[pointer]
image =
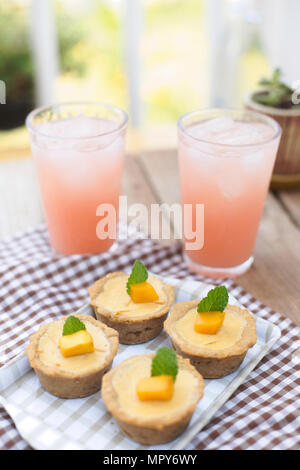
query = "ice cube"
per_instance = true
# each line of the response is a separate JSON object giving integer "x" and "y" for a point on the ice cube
{"x": 226, "y": 131}
{"x": 211, "y": 129}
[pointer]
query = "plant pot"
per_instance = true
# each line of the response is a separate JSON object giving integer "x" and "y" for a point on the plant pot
{"x": 286, "y": 173}
{"x": 13, "y": 114}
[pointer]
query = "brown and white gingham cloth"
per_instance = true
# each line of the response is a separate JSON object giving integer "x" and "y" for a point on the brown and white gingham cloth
{"x": 37, "y": 285}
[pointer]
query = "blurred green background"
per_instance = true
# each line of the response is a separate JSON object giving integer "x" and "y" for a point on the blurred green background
{"x": 174, "y": 51}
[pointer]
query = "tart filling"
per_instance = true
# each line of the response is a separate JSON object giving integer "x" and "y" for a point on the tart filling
{"x": 50, "y": 354}
{"x": 125, "y": 382}
{"x": 229, "y": 333}
{"x": 115, "y": 299}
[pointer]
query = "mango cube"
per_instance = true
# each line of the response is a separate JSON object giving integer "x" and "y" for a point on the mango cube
{"x": 143, "y": 292}
{"x": 80, "y": 342}
{"x": 160, "y": 387}
{"x": 209, "y": 323}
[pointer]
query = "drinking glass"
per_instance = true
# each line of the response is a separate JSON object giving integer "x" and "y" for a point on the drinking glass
{"x": 226, "y": 158}
{"x": 78, "y": 149}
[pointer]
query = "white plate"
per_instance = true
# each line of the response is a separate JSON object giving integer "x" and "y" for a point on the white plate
{"x": 47, "y": 422}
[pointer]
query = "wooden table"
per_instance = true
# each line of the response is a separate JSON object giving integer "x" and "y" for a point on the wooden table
{"x": 153, "y": 178}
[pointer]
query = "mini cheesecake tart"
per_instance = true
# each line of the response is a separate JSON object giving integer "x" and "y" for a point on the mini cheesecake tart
{"x": 78, "y": 375}
{"x": 156, "y": 421}
{"x": 135, "y": 322}
{"x": 213, "y": 355}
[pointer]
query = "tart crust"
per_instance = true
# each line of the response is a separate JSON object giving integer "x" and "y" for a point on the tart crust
{"x": 131, "y": 330}
{"x": 71, "y": 384}
{"x": 151, "y": 430}
{"x": 212, "y": 363}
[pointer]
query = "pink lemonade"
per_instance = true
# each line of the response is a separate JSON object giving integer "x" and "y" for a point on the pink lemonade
{"x": 226, "y": 165}
{"x": 79, "y": 163}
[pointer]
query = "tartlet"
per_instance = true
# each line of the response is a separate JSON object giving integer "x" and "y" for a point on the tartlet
{"x": 77, "y": 376}
{"x": 135, "y": 323}
{"x": 216, "y": 355}
{"x": 152, "y": 422}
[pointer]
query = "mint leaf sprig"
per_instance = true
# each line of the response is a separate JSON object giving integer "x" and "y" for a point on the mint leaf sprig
{"x": 165, "y": 362}
{"x": 216, "y": 300}
{"x": 138, "y": 274}
{"x": 72, "y": 325}
{"x": 275, "y": 92}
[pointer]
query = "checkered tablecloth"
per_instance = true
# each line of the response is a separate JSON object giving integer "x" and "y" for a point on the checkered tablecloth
{"x": 38, "y": 285}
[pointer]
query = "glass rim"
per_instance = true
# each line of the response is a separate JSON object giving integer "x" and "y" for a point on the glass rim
{"x": 272, "y": 122}
{"x": 40, "y": 109}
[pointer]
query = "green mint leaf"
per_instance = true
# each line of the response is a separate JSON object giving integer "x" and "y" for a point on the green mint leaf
{"x": 165, "y": 362}
{"x": 72, "y": 325}
{"x": 277, "y": 74}
{"x": 216, "y": 300}
{"x": 138, "y": 274}
{"x": 276, "y": 93}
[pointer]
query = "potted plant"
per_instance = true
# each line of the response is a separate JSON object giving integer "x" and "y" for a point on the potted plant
{"x": 276, "y": 99}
